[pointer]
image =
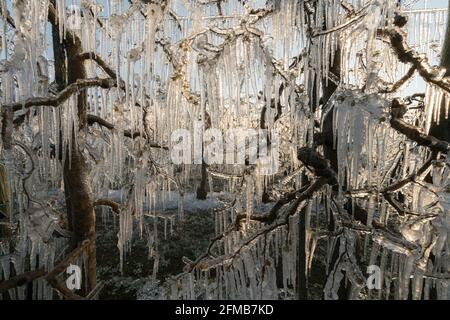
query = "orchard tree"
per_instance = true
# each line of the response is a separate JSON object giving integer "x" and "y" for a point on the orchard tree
{"x": 101, "y": 98}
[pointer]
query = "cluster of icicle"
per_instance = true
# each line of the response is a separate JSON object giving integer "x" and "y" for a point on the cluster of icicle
{"x": 177, "y": 72}
{"x": 246, "y": 264}
{"x": 32, "y": 179}
{"x": 360, "y": 136}
{"x": 370, "y": 157}
{"x": 35, "y": 179}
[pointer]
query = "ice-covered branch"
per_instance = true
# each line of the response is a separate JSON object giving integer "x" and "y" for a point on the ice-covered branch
{"x": 272, "y": 220}
{"x": 414, "y": 133}
{"x": 398, "y": 84}
{"x": 357, "y": 16}
{"x": 317, "y": 164}
{"x": 4, "y": 13}
{"x": 21, "y": 279}
{"x": 108, "y": 203}
{"x": 223, "y": 175}
{"x": 51, "y": 277}
{"x": 406, "y": 54}
{"x": 348, "y": 7}
{"x": 303, "y": 194}
{"x": 92, "y": 119}
{"x": 179, "y": 73}
{"x": 398, "y": 206}
{"x": 100, "y": 61}
{"x": 64, "y": 95}
{"x": 400, "y": 184}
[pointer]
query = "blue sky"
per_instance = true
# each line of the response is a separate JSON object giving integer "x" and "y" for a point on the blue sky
{"x": 434, "y": 3}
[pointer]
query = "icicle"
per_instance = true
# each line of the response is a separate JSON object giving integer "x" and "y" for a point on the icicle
{"x": 249, "y": 198}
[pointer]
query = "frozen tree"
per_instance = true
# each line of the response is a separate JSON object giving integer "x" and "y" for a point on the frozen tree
{"x": 358, "y": 151}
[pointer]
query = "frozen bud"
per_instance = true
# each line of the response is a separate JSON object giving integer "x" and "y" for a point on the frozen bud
{"x": 134, "y": 54}
{"x": 200, "y": 42}
{"x": 116, "y": 23}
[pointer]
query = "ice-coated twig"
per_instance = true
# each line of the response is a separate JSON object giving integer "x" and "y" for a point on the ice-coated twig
{"x": 357, "y": 16}
{"x": 399, "y": 83}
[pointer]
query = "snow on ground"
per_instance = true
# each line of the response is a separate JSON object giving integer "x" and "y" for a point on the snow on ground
{"x": 170, "y": 201}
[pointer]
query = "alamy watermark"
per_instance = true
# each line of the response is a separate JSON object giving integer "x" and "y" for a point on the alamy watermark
{"x": 73, "y": 282}
{"x": 374, "y": 279}
{"x": 239, "y": 146}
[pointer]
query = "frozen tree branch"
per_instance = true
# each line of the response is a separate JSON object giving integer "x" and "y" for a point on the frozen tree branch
{"x": 301, "y": 195}
{"x": 223, "y": 175}
{"x": 348, "y": 7}
{"x": 271, "y": 220}
{"x": 414, "y": 133}
{"x": 398, "y": 206}
{"x": 411, "y": 178}
{"x": 357, "y": 16}
{"x": 51, "y": 277}
{"x": 317, "y": 164}
{"x": 397, "y": 85}
{"x": 108, "y": 203}
{"x": 92, "y": 119}
{"x": 101, "y": 63}
{"x": 21, "y": 279}
{"x": 64, "y": 95}
{"x": 9, "y": 19}
{"x": 62, "y": 266}
{"x": 406, "y": 54}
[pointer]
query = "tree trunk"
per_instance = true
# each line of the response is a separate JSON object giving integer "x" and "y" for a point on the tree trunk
{"x": 77, "y": 177}
{"x": 78, "y": 193}
{"x": 202, "y": 192}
